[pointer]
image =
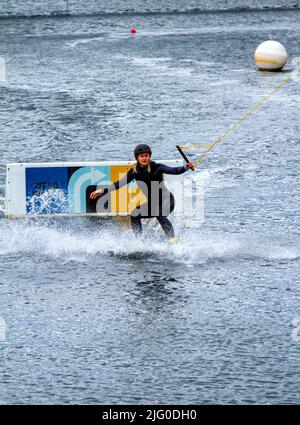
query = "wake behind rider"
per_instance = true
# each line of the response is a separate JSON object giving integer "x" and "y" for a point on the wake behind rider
{"x": 149, "y": 176}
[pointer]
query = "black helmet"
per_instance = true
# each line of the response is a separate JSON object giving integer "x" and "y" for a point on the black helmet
{"x": 142, "y": 149}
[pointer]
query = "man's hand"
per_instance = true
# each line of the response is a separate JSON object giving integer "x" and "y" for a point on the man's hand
{"x": 190, "y": 165}
{"x": 96, "y": 193}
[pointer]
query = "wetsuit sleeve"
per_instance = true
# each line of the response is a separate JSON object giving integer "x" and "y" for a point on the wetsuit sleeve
{"x": 120, "y": 183}
{"x": 171, "y": 170}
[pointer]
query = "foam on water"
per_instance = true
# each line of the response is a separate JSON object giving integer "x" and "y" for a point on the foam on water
{"x": 162, "y": 65}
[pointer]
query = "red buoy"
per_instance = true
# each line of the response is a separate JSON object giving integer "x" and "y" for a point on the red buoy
{"x": 133, "y": 30}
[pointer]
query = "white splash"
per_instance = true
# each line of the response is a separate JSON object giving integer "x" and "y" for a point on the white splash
{"x": 70, "y": 241}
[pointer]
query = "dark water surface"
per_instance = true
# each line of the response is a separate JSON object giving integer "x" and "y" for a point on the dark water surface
{"x": 95, "y": 316}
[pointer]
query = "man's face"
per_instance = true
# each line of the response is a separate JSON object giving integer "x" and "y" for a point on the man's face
{"x": 144, "y": 159}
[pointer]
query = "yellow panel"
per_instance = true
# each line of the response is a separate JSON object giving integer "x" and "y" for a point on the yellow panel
{"x": 124, "y": 199}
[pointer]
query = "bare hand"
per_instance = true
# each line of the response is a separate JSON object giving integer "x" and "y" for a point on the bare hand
{"x": 190, "y": 165}
{"x": 96, "y": 193}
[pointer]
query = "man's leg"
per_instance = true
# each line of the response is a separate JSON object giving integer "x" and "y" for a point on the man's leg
{"x": 136, "y": 218}
{"x": 136, "y": 225}
{"x": 166, "y": 226}
{"x": 166, "y": 207}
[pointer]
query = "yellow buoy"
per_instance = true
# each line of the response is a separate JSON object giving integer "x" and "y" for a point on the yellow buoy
{"x": 270, "y": 56}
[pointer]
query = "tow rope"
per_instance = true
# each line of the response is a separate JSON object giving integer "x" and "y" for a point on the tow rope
{"x": 232, "y": 128}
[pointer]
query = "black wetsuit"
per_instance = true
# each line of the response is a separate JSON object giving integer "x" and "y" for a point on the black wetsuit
{"x": 160, "y": 203}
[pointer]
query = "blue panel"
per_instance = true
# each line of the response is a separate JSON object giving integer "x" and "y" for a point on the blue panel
{"x": 47, "y": 190}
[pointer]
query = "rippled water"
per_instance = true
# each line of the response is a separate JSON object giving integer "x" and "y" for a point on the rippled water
{"x": 95, "y": 316}
{"x": 128, "y": 7}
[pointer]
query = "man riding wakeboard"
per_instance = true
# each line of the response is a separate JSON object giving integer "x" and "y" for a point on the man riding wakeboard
{"x": 149, "y": 176}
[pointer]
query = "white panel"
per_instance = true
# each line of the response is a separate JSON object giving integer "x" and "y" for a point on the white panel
{"x": 15, "y": 198}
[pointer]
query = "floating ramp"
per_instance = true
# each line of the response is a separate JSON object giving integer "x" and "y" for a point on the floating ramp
{"x": 62, "y": 189}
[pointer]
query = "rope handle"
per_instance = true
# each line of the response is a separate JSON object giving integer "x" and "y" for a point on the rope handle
{"x": 183, "y": 155}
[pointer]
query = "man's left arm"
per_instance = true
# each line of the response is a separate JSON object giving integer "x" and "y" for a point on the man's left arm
{"x": 165, "y": 169}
